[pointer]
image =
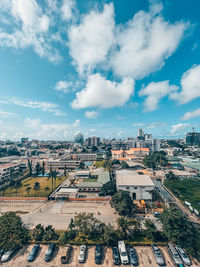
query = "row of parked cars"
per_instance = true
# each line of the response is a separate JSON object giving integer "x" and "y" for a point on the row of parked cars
{"x": 121, "y": 254}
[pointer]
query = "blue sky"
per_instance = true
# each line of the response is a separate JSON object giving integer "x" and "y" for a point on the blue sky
{"x": 104, "y": 68}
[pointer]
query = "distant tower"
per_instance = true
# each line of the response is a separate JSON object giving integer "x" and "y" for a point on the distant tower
{"x": 140, "y": 132}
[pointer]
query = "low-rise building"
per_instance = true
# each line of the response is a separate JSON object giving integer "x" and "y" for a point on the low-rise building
{"x": 139, "y": 186}
{"x": 130, "y": 154}
{"x": 61, "y": 164}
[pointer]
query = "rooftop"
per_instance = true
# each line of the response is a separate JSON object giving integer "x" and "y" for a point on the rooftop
{"x": 132, "y": 178}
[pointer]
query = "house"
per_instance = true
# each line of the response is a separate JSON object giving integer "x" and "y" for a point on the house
{"x": 139, "y": 186}
{"x": 130, "y": 154}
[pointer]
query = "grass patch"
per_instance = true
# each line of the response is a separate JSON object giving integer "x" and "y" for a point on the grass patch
{"x": 186, "y": 190}
{"x": 89, "y": 180}
{"x": 29, "y": 182}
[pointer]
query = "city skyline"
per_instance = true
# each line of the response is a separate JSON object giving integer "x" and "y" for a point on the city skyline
{"x": 103, "y": 68}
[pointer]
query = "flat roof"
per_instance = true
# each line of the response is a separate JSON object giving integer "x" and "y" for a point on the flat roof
{"x": 132, "y": 178}
{"x": 67, "y": 190}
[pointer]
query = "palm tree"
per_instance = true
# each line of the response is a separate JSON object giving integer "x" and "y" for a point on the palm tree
{"x": 126, "y": 225}
{"x": 49, "y": 233}
{"x": 28, "y": 189}
{"x": 36, "y": 186}
{"x": 38, "y": 232}
{"x": 43, "y": 168}
{"x": 47, "y": 189}
{"x": 18, "y": 185}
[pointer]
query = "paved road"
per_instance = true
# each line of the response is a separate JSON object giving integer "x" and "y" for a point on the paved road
{"x": 59, "y": 214}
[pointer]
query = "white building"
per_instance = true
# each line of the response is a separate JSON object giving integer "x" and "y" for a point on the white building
{"x": 139, "y": 186}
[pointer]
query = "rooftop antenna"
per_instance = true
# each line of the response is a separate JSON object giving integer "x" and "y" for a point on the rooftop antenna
{"x": 193, "y": 129}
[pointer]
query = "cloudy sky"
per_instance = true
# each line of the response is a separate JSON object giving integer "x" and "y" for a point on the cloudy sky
{"x": 101, "y": 67}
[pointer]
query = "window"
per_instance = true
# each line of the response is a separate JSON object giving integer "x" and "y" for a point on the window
{"x": 135, "y": 187}
{"x": 127, "y": 187}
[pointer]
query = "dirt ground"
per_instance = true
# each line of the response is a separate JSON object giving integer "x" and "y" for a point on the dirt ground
{"x": 146, "y": 258}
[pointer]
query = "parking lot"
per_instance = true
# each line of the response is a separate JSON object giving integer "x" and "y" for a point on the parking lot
{"x": 20, "y": 206}
{"x": 146, "y": 258}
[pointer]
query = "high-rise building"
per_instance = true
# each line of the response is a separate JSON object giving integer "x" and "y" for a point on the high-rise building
{"x": 140, "y": 132}
{"x": 193, "y": 138}
{"x": 94, "y": 141}
{"x": 79, "y": 139}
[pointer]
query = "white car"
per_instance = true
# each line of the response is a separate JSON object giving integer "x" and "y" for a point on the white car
{"x": 6, "y": 256}
{"x": 186, "y": 260}
{"x": 82, "y": 253}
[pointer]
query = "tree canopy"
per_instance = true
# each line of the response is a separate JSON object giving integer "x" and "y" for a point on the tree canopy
{"x": 123, "y": 203}
{"x": 108, "y": 189}
{"x": 13, "y": 234}
{"x": 155, "y": 159}
{"x": 180, "y": 230}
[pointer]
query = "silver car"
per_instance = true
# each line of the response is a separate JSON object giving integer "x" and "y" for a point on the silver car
{"x": 174, "y": 254}
{"x": 82, "y": 254}
{"x": 186, "y": 260}
{"x": 158, "y": 255}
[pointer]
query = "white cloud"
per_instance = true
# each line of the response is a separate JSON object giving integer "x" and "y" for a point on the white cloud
{"x": 5, "y": 114}
{"x": 63, "y": 86}
{"x": 139, "y": 124}
{"x": 190, "y": 86}
{"x": 67, "y": 9}
{"x": 191, "y": 114}
{"x": 44, "y": 106}
{"x": 32, "y": 123}
{"x": 91, "y": 114}
{"x": 90, "y": 41}
{"x": 179, "y": 127}
{"x": 103, "y": 93}
{"x": 155, "y": 91}
{"x": 76, "y": 124}
{"x": 29, "y": 28}
{"x": 150, "y": 125}
{"x": 144, "y": 43}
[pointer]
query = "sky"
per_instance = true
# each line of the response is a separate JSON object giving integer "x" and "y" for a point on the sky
{"x": 100, "y": 67}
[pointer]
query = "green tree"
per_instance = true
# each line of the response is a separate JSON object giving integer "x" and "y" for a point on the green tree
{"x": 49, "y": 233}
{"x": 155, "y": 160}
{"x": 127, "y": 226}
{"x": 30, "y": 168}
{"x": 123, "y": 203}
{"x": 65, "y": 171}
{"x": 88, "y": 225}
{"x": 17, "y": 185}
{"x": 36, "y": 187}
{"x": 170, "y": 176}
{"x": 12, "y": 232}
{"x": 180, "y": 230}
{"x": 124, "y": 165}
{"x": 38, "y": 232}
{"x": 28, "y": 189}
{"x": 150, "y": 230}
{"x": 108, "y": 189}
{"x": 43, "y": 168}
{"x": 47, "y": 189}
{"x": 38, "y": 169}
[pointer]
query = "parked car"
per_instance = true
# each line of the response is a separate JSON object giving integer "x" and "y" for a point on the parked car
{"x": 116, "y": 257}
{"x": 33, "y": 253}
{"x": 186, "y": 260}
{"x": 158, "y": 255}
{"x": 65, "y": 259}
{"x": 123, "y": 252}
{"x": 133, "y": 256}
{"x": 7, "y": 256}
{"x": 98, "y": 254}
{"x": 174, "y": 254}
{"x": 82, "y": 254}
{"x": 49, "y": 253}
{"x": 1, "y": 252}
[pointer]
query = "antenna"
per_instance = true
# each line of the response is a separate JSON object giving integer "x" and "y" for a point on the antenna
{"x": 193, "y": 129}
